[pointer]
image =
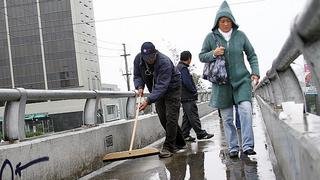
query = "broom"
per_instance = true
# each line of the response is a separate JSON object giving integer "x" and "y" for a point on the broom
{"x": 131, "y": 153}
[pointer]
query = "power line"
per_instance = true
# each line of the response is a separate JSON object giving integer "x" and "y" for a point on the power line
{"x": 72, "y": 31}
{"x": 35, "y": 15}
{"x": 112, "y": 19}
{"x": 99, "y": 47}
{"x": 172, "y": 12}
{"x": 139, "y": 16}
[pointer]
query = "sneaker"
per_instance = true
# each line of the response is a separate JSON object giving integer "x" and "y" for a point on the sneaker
{"x": 179, "y": 148}
{"x": 165, "y": 153}
{"x": 206, "y": 136}
{"x": 233, "y": 154}
{"x": 249, "y": 152}
{"x": 189, "y": 138}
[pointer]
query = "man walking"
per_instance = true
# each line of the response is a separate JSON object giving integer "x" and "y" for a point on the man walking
{"x": 189, "y": 97}
{"x": 157, "y": 72}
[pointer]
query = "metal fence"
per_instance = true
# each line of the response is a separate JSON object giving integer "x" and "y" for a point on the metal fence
{"x": 16, "y": 100}
{"x": 281, "y": 83}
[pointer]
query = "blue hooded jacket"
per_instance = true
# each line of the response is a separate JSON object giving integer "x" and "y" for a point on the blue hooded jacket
{"x": 165, "y": 76}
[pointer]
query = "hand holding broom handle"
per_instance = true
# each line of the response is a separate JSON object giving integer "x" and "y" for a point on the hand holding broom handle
{"x": 135, "y": 123}
{"x": 132, "y": 153}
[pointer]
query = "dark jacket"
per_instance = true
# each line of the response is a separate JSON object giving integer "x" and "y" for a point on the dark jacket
{"x": 239, "y": 87}
{"x": 165, "y": 76}
{"x": 188, "y": 90}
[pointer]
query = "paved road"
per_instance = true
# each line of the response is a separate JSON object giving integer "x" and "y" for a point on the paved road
{"x": 205, "y": 159}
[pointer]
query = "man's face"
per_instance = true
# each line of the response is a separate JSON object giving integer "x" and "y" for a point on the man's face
{"x": 188, "y": 61}
{"x": 150, "y": 59}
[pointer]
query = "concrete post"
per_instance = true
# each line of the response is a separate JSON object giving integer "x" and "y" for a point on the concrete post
{"x": 90, "y": 111}
{"x": 131, "y": 107}
{"x": 13, "y": 123}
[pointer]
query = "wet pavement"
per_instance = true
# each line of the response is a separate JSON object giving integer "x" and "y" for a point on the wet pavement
{"x": 203, "y": 159}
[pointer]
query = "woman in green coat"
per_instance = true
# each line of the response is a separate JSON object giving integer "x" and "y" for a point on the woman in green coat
{"x": 238, "y": 89}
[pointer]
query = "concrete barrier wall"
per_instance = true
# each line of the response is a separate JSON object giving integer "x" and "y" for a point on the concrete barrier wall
{"x": 70, "y": 155}
{"x": 296, "y": 144}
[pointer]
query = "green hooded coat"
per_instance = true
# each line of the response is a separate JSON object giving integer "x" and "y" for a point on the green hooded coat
{"x": 239, "y": 87}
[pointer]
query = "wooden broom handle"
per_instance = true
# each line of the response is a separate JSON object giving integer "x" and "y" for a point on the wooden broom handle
{"x": 135, "y": 124}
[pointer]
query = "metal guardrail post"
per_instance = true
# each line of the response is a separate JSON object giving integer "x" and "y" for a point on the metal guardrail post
{"x": 205, "y": 96}
{"x": 131, "y": 107}
{"x": 270, "y": 92}
{"x": 90, "y": 110}
{"x": 13, "y": 123}
{"x": 292, "y": 88}
{"x": 265, "y": 87}
{"x": 263, "y": 91}
{"x": 202, "y": 97}
{"x": 277, "y": 89}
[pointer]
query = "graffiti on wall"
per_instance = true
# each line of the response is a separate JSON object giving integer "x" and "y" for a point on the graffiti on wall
{"x": 19, "y": 167}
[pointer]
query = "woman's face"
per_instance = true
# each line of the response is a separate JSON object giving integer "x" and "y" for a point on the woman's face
{"x": 225, "y": 24}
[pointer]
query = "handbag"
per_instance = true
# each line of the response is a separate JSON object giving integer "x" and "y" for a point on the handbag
{"x": 216, "y": 72}
{"x": 207, "y": 70}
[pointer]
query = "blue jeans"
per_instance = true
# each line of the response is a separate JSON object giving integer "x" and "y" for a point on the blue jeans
{"x": 238, "y": 125}
{"x": 245, "y": 114}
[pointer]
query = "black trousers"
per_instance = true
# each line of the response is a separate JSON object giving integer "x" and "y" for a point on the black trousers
{"x": 168, "y": 108}
{"x": 191, "y": 119}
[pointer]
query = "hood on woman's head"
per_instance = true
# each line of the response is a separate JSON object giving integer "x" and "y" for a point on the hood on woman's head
{"x": 224, "y": 11}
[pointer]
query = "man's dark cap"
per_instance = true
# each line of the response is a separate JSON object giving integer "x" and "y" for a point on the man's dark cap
{"x": 148, "y": 50}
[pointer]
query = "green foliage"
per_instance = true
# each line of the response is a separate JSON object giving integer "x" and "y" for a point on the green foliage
{"x": 39, "y": 131}
{"x": 197, "y": 81}
{"x": 32, "y": 134}
{"x": 174, "y": 55}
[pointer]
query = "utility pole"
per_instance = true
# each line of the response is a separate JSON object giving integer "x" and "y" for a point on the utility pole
{"x": 126, "y": 63}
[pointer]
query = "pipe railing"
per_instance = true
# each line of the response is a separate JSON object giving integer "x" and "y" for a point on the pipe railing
{"x": 281, "y": 83}
{"x": 16, "y": 100}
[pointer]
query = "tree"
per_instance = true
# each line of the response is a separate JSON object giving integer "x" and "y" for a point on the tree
{"x": 174, "y": 55}
{"x": 198, "y": 81}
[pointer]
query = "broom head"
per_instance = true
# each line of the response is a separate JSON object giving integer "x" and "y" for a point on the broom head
{"x": 130, "y": 154}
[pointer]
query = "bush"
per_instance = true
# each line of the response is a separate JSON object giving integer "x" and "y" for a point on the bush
{"x": 32, "y": 134}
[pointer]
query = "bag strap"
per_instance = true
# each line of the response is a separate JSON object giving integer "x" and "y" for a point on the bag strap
{"x": 218, "y": 44}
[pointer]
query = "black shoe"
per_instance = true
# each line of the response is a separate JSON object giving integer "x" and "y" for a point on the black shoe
{"x": 179, "y": 148}
{"x": 249, "y": 152}
{"x": 233, "y": 154}
{"x": 189, "y": 138}
{"x": 165, "y": 153}
{"x": 206, "y": 136}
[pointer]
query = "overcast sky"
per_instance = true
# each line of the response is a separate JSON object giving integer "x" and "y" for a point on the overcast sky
{"x": 183, "y": 24}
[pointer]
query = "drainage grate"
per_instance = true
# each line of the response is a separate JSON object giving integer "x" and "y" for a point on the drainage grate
{"x": 109, "y": 141}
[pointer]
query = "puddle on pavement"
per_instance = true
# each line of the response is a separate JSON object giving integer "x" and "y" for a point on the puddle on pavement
{"x": 205, "y": 159}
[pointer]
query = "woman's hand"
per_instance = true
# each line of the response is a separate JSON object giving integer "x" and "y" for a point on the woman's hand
{"x": 219, "y": 51}
{"x": 255, "y": 79}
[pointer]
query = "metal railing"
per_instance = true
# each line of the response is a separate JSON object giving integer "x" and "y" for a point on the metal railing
{"x": 281, "y": 83}
{"x": 16, "y": 100}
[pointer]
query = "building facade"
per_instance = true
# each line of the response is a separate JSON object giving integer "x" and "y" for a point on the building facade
{"x": 48, "y": 44}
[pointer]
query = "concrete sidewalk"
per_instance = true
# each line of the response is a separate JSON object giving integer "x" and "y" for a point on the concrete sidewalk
{"x": 205, "y": 159}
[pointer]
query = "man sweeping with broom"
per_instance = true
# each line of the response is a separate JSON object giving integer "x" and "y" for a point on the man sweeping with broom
{"x": 156, "y": 71}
